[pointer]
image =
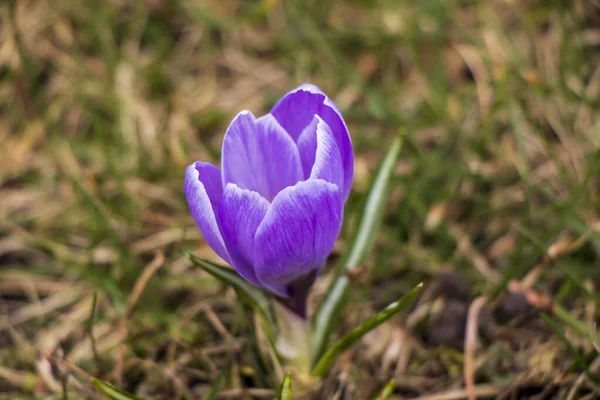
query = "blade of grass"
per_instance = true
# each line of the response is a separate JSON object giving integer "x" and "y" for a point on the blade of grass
{"x": 386, "y": 391}
{"x": 513, "y": 270}
{"x": 90, "y": 331}
{"x": 65, "y": 389}
{"x": 214, "y": 388}
{"x": 325, "y": 362}
{"x": 255, "y": 297}
{"x": 576, "y": 325}
{"x": 285, "y": 389}
{"x": 331, "y": 306}
{"x": 574, "y": 277}
{"x": 112, "y": 392}
{"x": 579, "y": 360}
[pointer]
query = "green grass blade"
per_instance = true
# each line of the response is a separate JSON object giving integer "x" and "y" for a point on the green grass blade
{"x": 255, "y": 297}
{"x": 580, "y": 362}
{"x": 576, "y": 279}
{"x": 330, "y": 308}
{"x": 90, "y": 330}
{"x": 576, "y": 325}
{"x": 355, "y": 334}
{"x": 386, "y": 391}
{"x": 285, "y": 389}
{"x": 214, "y": 388}
{"x": 374, "y": 207}
{"x": 112, "y": 392}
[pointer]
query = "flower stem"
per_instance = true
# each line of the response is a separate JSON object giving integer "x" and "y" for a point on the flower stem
{"x": 293, "y": 341}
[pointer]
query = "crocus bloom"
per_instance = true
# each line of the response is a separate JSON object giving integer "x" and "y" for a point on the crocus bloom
{"x": 275, "y": 208}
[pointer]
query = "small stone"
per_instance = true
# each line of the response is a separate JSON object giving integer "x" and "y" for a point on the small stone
{"x": 449, "y": 328}
{"x": 454, "y": 286}
{"x": 487, "y": 323}
{"x": 512, "y": 305}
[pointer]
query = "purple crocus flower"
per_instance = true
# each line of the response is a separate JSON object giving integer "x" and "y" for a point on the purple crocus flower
{"x": 275, "y": 208}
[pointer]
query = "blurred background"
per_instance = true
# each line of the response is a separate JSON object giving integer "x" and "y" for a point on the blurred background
{"x": 494, "y": 202}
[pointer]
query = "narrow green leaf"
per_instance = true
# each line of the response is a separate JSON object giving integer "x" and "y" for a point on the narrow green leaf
{"x": 576, "y": 325}
{"x": 214, "y": 388}
{"x": 255, "y": 297}
{"x": 65, "y": 389}
{"x": 576, "y": 279}
{"x": 112, "y": 392}
{"x": 285, "y": 389}
{"x": 355, "y": 334}
{"x": 580, "y": 362}
{"x": 90, "y": 330}
{"x": 374, "y": 207}
{"x": 327, "y": 316}
{"x": 512, "y": 271}
{"x": 386, "y": 391}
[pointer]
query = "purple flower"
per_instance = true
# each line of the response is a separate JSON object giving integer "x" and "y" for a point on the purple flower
{"x": 275, "y": 208}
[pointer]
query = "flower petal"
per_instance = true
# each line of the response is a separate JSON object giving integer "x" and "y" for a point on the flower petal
{"x": 203, "y": 190}
{"x": 320, "y": 154}
{"x": 295, "y": 112}
{"x": 297, "y": 234}
{"x": 240, "y": 213}
{"x": 307, "y": 146}
{"x": 258, "y": 155}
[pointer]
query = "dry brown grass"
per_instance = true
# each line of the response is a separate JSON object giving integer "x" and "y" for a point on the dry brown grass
{"x": 104, "y": 103}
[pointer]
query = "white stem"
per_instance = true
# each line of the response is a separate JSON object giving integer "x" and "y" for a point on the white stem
{"x": 293, "y": 341}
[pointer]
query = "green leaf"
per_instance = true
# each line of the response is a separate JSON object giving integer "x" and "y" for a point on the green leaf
{"x": 112, "y": 392}
{"x": 90, "y": 330}
{"x": 576, "y": 325}
{"x": 355, "y": 334}
{"x": 285, "y": 389}
{"x": 331, "y": 307}
{"x": 255, "y": 297}
{"x": 576, "y": 279}
{"x": 214, "y": 388}
{"x": 386, "y": 391}
{"x": 580, "y": 362}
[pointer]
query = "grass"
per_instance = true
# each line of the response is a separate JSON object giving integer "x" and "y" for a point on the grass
{"x": 494, "y": 202}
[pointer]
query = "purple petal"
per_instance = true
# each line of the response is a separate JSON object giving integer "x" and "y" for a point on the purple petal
{"x": 240, "y": 214}
{"x": 203, "y": 190}
{"x": 297, "y": 234}
{"x": 307, "y": 146}
{"x": 258, "y": 155}
{"x": 320, "y": 154}
{"x": 295, "y": 112}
